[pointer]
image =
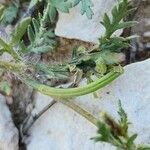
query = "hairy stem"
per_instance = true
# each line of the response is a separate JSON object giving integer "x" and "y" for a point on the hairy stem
{"x": 10, "y": 50}
{"x": 63, "y": 94}
{"x": 73, "y": 92}
{"x": 12, "y": 67}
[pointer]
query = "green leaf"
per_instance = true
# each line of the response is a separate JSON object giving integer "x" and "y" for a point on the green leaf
{"x": 123, "y": 119}
{"x": 118, "y": 13}
{"x": 5, "y": 87}
{"x": 104, "y": 133}
{"x": 130, "y": 142}
{"x": 109, "y": 58}
{"x": 33, "y": 3}
{"x": 52, "y": 14}
{"x": 10, "y": 13}
{"x": 1, "y": 10}
{"x": 86, "y": 7}
{"x": 1, "y": 51}
{"x": 61, "y": 5}
{"x": 108, "y": 132}
{"x": 36, "y": 25}
{"x": 4, "y": 45}
{"x": 126, "y": 24}
{"x": 106, "y": 21}
{"x": 31, "y": 34}
{"x": 8, "y": 48}
{"x": 65, "y": 5}
{"x": 41, "y": 49}
{"x": 41, "y": 39}
{"x": 53, "y": 71}
{"x": 20, "y": 30}
{"x": 23, "y": 48}
{"x": 109, "y": 42}
{"x": 115, "y": 44}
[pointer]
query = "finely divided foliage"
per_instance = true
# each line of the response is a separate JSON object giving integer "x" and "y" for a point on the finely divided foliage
{"x": 116, "y": 133}
{"x": 10, "y": 13}
{"x": 84, "y": 63}
{"x": 109, "y": 41}
{"x": 65, "y": 6}
{"x": 41, "y": 40}
{"x": 86, "y": 7}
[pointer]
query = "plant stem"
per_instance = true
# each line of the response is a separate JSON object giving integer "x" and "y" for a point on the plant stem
{"x": 84, "y": 113}
{"x": 10, "y": 50}
{"x": 30, "y": 120}
{"x": 59, "y": 93}
{"x": 73, "y": 92}
{"x": 13, "y": 67}
{"x": 27, "y": 124}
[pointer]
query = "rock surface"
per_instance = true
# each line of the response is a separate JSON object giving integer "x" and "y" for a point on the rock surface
{"x": 76, "y": 26}
{"x": 60, "y": 128}
{"x": 8, "y": 132}
{"x": 140, "y": 46}
{"x": 2, "y": 1}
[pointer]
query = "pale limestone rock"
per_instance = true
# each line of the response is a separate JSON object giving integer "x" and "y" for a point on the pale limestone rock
{"x": 147, "y": 34}
{"x": 8, "y": 132}
{"x": 41, "y": 101}
{"x": 76, "y": 26}
{"x": 2, "y": 1}
{"x": 60, "y": 128}
{"x": 132, "y": 88}
{"x": 6, "y": 57}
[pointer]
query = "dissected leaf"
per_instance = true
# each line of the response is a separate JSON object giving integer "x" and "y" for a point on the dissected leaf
{"x": 61, "y": 5}
{"x": 123, "y": 120}
{"x": 31, "y": 34}
{"x": 107, "y": 132}
{"x": 4, "y": 45}
{"x": 52, "y": 71}
{"x": 33, "y": 3}
{"x": 115, "y": 44}
{"x": 85, "y": 7}
{"x": 128, "y": 24}
{"x": 52, "y": 14}
{"x": 10, "y": 13}
{"x": 65, "y": 5}
{"x": 20, "y": 30}
{"x": 104, "y": 132}
{"x": 108, "y": 41}
{"x": 41, "y": 40}
{"x": 130, "y": 142}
